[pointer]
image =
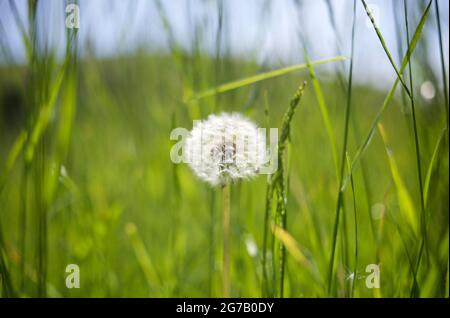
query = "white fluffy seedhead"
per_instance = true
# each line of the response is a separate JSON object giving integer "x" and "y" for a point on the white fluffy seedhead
{"x": 224, "y": 148}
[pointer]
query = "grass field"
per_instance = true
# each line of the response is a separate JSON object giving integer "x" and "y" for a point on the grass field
{"x": 86, "y": 176}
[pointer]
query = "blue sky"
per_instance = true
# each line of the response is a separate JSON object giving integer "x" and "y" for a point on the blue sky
{"x": 270, "y": 36}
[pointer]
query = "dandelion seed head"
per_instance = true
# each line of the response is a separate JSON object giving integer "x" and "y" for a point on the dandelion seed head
{"x": 224, "y": 148}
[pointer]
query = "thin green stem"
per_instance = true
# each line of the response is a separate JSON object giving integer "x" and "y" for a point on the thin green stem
{"x": 226, "y": 240}
{"x": 269, "y": 193}
{"x": 354, "y": 122}
{"x": 268, "y": 208}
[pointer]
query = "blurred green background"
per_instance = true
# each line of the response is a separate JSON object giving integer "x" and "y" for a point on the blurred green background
{"x": 86, "y": 176}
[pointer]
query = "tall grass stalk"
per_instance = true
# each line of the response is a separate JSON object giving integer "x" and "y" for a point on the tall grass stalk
{"x": 226, "y": 241}
{"x": 5, "y": 278}
{"x": 324, "y": 112}
{"x": 431, "y": 165}
{"x": 344, "y": 151}
{"x": 144, "y": 260}
{"x": 268, "y": 209}
{"x": 279, "y": 181}
{"x": 354, "y": 121}
{"x": 217, "y": 60}
{"x": 417, "y": 149}
{"x": 368, "y": 139}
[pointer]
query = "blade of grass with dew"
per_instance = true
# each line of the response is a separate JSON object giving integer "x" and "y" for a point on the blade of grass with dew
{"x": 325, "y": 115}
{"x": 344, "y": 151}
{"x": 367, "y": 140}
{"x": 260, "y": 77}
{"x": 278, "y": 181}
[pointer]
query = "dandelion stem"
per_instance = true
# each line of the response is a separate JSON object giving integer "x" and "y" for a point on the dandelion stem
{"x": 226, "y": 240}
{"x": 268, "y": 208}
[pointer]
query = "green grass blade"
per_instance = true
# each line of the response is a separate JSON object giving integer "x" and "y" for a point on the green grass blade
{"x": 268, "y": 209}
{"x": 43, "y": 118}
{"x": 417, "y": 147}
{"x": 385, "y": 48}
{"x": 260, "y": 77}
{"x": 339, "y": 202}
{"x": 12, "y": 157}
{"x": 143, "y": 258}
{"x": 431, "y": 164}
{"x": 442, "y": 56}
{"x": 296, "y": 251}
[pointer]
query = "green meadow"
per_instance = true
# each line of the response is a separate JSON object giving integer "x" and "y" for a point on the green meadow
{"x": 86, "y": 176}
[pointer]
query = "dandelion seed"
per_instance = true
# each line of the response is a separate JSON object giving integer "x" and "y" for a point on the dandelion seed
{"x": 252, "y": 249}
{"x": 224, "y": 148}
{"x": 377, "y": 211}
